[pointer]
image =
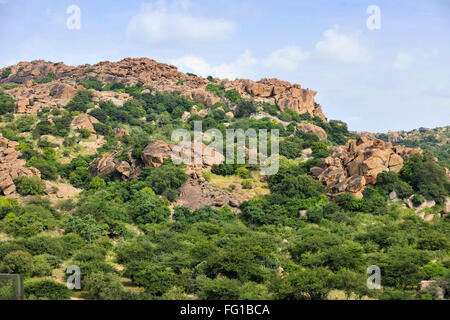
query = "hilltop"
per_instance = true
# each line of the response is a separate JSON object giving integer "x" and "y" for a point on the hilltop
{"x": 41, "y": 78}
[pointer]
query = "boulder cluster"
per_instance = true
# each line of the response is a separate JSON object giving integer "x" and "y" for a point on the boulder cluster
{"x": 154, "y": 155}
{"x": 351, "y": 167}
{"x": 112, "y": 163}
{"x": 282, "y": 93}
{"x": 32, "y": 95}
{"x": 11, "y": 167}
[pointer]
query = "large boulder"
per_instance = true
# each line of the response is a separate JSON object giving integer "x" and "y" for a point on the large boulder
{"x": 84, "y": 121}
{"x": 311, "y": 128}
{"x": 110, "y": 163}
{"x": 155, "y": 153}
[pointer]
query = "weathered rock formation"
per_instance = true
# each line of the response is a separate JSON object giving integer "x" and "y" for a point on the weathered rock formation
{"x": 349, "y": 168}
{"x": 198, "y": 155}
{"x": 151, "y": 73}
{"x": 311, "y": 128}
{"x": 155, "y": 153}
{"x": 84, "y": 121}
{"x": 11, "y": 167}
{"x": 197, "y": 193}
{"x": 110, "y": 163}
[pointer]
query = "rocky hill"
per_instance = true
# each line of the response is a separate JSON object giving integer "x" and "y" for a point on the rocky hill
{"x": 48, "y": 84}
{"x": 87, "y": 178}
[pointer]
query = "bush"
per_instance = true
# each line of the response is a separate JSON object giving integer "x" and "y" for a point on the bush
{"x": 46, "y": 289}
{"x": 301, "y": 186}
{"x": 242, "y": 172}
{"x": 29, "y": 185}
{"x": 92, "y": 83}
{"x": 155, "y": 278}
{"x": 233, "y": 95}
{"x": 417, "y": 200}
{"x": 426, "y": 177}
{"x": 5, "y": 73}
{"x": 85, "y": 133}
{"x": 7, "y": 103}
{"x": 86, "y": 227}
{"x": 320, "y": 150}
{"x": 245, "y": 108}
{"x": 247, "y": 184}
{"x": 18, "y": 262}
{"x": 220, "y": 289}
{"x": 80, "y": 101}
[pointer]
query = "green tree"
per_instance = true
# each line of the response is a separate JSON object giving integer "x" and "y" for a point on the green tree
{"x": 29, "y": 185}
{"x": 20, "y": 262}
{"x": 310, "y": 284}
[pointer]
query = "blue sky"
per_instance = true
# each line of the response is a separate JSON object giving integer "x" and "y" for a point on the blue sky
{"x": 396, "y": 77}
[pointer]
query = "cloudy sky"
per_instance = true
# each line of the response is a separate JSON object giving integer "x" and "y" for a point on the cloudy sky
{"x": 393, "y": 77}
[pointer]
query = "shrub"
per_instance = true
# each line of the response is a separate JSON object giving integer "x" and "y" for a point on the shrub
{"x": 29, "y": 185}
{"x": 86, "y": 227}
{"x": 417, "y": 200}
{"x": 5, "y": 73}
{"x": 220, "y": 289}
{"x": 85, "y": 133}
{"x": 426, "y": 177}
{"x": 155, "y": 278}
{"x": 48, "y": 78}
{"x": 18, "y": 262}
{"x": 80, "y": 101}
{"x": 242, "y": 172}
{"x": 245, "y": 108}
{"x": 320, "y": 150}
{"x": 207, "y": 175}
{"x": 233, "y": 95}
{"x": 46, "y": 289}
{"x": 7, "y": 103}
{"x": 247, "y": 184}
{"x": 92, "y": 83}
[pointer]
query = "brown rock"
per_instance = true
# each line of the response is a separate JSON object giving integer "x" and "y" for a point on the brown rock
{"x": 311, "y": 128}
{"x": 120, "y": 132}
{"x": 11, "y": 167}
{"x": 84, "y": 121}
{"x": 349, "y": 168}
{"x": 155, "y": 153}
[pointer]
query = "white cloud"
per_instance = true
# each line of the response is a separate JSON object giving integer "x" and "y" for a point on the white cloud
{"x": 240, "y": 67}
{"x": 287, "y": 58}
{"x": 342, "y": 48}
{"x": 158, "y": 22}
{"x": 403, "y": 61}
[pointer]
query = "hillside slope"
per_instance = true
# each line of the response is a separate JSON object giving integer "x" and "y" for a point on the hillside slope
{"x": 87, "y": 179}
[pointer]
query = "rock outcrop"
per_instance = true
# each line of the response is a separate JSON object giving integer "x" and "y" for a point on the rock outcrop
{"x": 163, "y": 77}
{"x": 155, "y": 153}
{"x": 11, "y": 167}
{"x": 311, "y": 128}
{"x": 198, "y": 156}
{"x": 111, "y": 163}
{"x": 84, "y": 121}
{"x": 197, "y": 193}
{"x": 349, "y": 168}
{"x": 282, "y": 93}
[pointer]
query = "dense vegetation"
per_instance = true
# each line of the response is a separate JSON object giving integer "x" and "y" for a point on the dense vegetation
{"x": 132, "y": 242}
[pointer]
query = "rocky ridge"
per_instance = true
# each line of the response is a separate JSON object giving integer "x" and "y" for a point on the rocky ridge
{"x": 32, "y": 95}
